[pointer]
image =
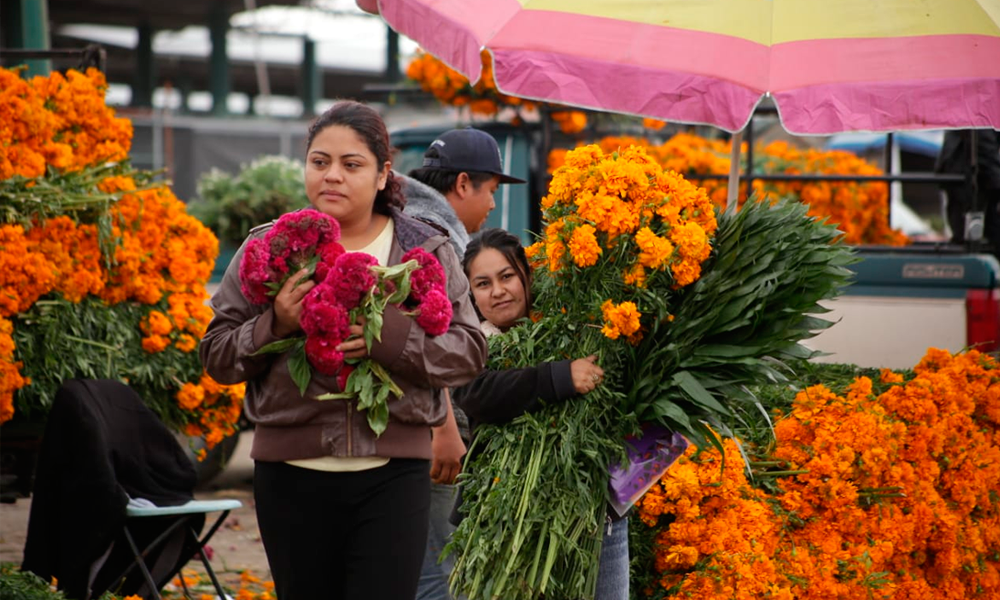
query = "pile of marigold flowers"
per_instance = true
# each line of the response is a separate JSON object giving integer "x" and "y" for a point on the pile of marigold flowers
{"x": 864, "y": 495}
{"x": 859, "y": 209}
{"x": 251, "y": 586}
{"x": 484, "y": 99}
{"x": 97, "y": 261}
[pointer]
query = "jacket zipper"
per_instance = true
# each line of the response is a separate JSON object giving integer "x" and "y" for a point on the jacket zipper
{"x": 347, "y": 406}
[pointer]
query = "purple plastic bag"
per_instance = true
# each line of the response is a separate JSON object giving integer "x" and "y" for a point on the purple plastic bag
{"x": 649, "y": 457}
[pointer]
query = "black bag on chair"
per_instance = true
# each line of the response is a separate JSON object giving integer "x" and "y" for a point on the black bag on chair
{"x": 102, "y": 446}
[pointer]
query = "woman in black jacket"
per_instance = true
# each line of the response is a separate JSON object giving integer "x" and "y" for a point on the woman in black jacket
{"x": 500, "y": 279}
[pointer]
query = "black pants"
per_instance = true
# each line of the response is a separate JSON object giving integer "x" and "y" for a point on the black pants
{"x": 352, "y": 536}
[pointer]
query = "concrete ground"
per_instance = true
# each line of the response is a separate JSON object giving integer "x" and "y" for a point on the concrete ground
{"x": 236, "y": 545}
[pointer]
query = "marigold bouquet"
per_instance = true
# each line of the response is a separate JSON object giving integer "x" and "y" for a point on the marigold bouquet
{"x": 102, "y": 271}
{"x": 683, "y": 305}
{"x": 351, "y": 288}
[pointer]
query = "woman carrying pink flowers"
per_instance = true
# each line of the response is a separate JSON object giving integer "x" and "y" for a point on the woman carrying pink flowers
{"x": 344, "y": 321}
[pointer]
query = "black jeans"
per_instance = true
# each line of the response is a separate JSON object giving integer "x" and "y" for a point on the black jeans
{"x": 354, "y": 535}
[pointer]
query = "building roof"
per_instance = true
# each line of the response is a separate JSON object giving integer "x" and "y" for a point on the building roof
{"x": 173, "y": 14}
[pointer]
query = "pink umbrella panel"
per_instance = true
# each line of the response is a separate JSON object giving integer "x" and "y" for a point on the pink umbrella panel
{"x": 849, "y": 65}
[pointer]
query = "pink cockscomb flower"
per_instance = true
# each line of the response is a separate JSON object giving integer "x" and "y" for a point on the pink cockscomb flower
{"x": 429, "y": 276}
{"x": 323, "y": 355}
{"x": 435, "y": 312}
{"x": 254, "y": 273}
{"x": 327, "y": 254}
{"x": 322, "y": 317}
{"x": 351, "y": 277}
{"x": 297, "y": 237}
{"x": 304, "y": 230}
{"x": 302, "y": 239}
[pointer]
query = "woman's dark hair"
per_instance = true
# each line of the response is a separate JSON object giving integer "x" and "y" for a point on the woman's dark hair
{"x": 368, "y": 124}
{"x": 443, "y": 180}
{"x": 509, "y": 245}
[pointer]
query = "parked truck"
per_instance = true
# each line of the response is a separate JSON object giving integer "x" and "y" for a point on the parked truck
{"x": 905, "y": 300}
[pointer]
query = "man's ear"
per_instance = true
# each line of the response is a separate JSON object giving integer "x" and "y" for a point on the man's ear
{"x": 463, "y": 185}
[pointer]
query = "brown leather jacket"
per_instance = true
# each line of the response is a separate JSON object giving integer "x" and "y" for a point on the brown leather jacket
{"x": 290, "y": 426}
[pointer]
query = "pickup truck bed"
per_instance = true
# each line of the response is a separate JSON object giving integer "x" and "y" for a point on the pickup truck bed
{"x": 903, "y": 301}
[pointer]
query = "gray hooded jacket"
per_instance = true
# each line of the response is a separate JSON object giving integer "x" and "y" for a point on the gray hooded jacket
{"x": 427, "y": 204}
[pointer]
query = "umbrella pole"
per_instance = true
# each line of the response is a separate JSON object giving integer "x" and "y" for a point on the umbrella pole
{"x": 733, "y": 195}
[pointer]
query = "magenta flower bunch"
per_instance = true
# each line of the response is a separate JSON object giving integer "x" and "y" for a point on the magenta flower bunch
{"x": 301, "y": 239}
{"x": 428, "y": 294}
{"x": 416, "y": 286}
{"x": 351, "y": 288}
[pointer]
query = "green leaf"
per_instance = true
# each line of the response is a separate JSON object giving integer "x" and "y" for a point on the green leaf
{"x": 378, "y": 418}
{"x": 398, "y": 270}
{"x": 698, "y": 393}
{"x": 663, "y": 408}
{"x": 279, "y": 346}
{"x": 724, "y": 351}
{"x": 299, "y": 369}
{"x": 373, "y": 329}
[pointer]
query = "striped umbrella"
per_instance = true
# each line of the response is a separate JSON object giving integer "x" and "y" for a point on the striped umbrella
{"x": 829, "y": 65}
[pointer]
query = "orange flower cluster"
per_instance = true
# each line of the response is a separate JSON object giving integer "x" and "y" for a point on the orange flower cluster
{"x": 621, "y": 211}
{"x": 621, "y": 320}
{"x": 60, "y": 121}
{"x": 161, "y": 250}
{"x": 183, "y": 324}
{"x": 452, "y": 88}
{"x": 570, "y": 121}
{"x": 10, "y": 371}
{"x": 161, "y": 255}
{"x": 890, "y": 497}
{"x": 860, "y": 210}
{"x": 251, "y": 586}
{"x": 216, "y": 409}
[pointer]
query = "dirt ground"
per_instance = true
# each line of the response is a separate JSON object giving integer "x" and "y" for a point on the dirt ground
{"x": 236, "y": 546}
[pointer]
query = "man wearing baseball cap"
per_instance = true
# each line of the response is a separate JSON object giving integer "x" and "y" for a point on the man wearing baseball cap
{"x": 454, "y": 191}
{"x": 463, "y": 167}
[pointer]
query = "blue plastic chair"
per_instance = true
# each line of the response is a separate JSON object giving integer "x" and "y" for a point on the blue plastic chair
{"x": 189, "y": 513}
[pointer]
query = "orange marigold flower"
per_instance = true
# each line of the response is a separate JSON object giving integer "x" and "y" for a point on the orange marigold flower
{"x": 190, "y": 396}
{"x": 583, "y": 246}
{"x": 635, "y": 276}
{"x": 621, "y": 319}
{"x": 889, "y": 376}
{"x": 156, "y": 323}
{"x": 655, "y": 251}
{"x": 186, "y": 342}
{"x": 155, "y": 343}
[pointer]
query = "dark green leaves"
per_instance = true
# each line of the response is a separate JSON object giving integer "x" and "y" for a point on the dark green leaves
{"x": 298, "y": 367}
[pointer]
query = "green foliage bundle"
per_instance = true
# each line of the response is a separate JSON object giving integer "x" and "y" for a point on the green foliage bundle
{"x": 737, "y": 324}
{"x": 262, "y": 191}
{"x": 535, "y": 493}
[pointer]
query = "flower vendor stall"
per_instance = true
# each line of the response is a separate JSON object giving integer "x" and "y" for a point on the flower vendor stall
{"x": 102, "y": 271}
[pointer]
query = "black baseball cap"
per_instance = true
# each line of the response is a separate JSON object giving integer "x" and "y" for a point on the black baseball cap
{"x": 469, "y": 150}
